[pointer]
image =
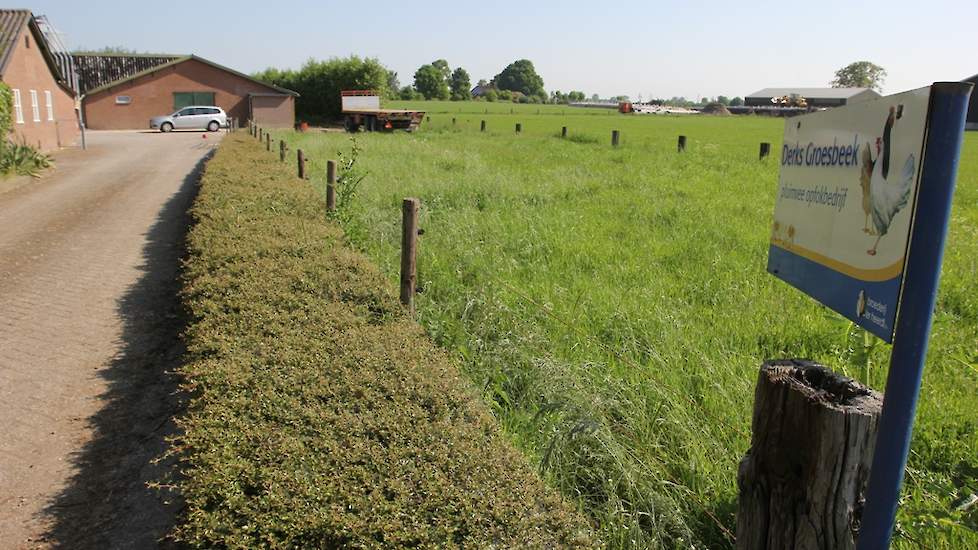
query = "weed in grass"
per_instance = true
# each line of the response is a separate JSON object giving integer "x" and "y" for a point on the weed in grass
{"x": 582, "y": 138}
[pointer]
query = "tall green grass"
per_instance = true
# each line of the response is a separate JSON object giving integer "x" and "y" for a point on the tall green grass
{"x": 613, "y": 306}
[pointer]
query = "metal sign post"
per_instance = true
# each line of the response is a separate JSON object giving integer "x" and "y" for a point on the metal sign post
{"x": 948, "y": 105}
{"x": 861, "y": 217}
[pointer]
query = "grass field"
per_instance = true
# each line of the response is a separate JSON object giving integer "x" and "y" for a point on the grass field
{"x": 613, "y": 306}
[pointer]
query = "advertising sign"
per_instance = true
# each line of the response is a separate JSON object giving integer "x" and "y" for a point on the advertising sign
{"x": 845, "y": 203}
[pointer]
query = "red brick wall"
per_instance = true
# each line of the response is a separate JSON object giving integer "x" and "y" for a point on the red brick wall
{"x": 28, "y": 71}
{"x": 152, "y": 95}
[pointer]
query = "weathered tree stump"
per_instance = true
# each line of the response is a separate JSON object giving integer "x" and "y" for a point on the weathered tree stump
{"x": 803, "y": 480}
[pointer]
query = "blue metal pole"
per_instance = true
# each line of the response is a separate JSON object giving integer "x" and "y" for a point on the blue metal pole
{"x": 948, "y": 105}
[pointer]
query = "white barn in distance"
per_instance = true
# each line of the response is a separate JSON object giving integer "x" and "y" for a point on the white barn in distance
{"x": 816, "y": 97}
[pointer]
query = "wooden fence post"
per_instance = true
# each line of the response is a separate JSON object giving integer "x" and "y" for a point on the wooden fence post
{"x": 614, "y": 138}
{"x": 681, "y": 146}
{"x": 261, "y": 134}
{"x": 563, "y": 131}
{"x": 331, "y": 185}
{"x": 281, "y": 150}
{"x": 409, "y": 249}
{"x": 765, "y": 150}
{"x": 301, "y": 161}
{"x": 482, "y": 127}
{"x": 519, "y": 127}
{"x": 803, "y": 480}
{"x": 268, "y": 141}
{"x": 453, "y": 121}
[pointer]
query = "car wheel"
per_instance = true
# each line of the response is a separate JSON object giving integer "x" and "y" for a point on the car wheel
{"x": 166, "y": 127}
{"x": 213, "y": 126}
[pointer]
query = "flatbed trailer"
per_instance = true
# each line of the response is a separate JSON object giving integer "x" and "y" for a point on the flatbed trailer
{"x": 361, "y": 108}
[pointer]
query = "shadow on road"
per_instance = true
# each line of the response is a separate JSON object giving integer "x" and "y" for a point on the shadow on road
{"x": 108, "y": 504}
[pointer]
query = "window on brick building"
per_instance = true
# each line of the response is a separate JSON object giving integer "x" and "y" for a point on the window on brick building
{"x": 18, "y": 108}
{"x": 35, "y": 108}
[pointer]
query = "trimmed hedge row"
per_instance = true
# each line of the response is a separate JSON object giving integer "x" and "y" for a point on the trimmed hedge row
{"x": 320, "y": 415}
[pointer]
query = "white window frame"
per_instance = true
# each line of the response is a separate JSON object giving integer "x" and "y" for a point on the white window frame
{"x": 18, "y": 107}
{"x": 49, "y": 102}
{"x": 35, "y": 108}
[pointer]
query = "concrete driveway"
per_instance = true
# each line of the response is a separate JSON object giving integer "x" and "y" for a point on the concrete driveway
{"x": 89, "y": 330}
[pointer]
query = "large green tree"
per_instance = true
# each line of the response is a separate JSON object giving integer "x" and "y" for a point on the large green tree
{"x": 319, "y": 84}
{"x": 861, "y": 74}
{"x": 429, "y": 80}
{"x": 393, "y": 84}
{"x": 521, "y": 76}
{"x": 461, "y": 85}
{"x": 442, "y": 66}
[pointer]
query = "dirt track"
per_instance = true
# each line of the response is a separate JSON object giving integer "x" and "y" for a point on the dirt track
{"x": 89, "y": 327}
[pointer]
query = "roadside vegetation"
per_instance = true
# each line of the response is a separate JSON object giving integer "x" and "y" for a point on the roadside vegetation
{"x": 613, "y": 306}
{"x": 320, "y": 415}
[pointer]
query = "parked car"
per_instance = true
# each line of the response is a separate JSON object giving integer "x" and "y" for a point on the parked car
{"x": 194, "y": 117}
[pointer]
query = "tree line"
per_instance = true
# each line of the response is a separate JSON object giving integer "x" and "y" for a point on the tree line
{"x": 319, "y": 84}
{"x": 518, "y": 81}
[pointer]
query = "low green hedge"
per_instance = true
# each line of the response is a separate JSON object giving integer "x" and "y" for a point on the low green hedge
{"x": 320, "y": 415}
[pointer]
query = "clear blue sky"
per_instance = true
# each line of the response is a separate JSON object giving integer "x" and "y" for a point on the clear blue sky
{"x": 664, "y": 49}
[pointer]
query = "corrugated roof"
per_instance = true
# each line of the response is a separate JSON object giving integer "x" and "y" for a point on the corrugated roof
{"x": 181, "y": 60}
{"x": 813, "y": 93}
{"x": 11, "y": 22}
{"x": 95, "y": 71}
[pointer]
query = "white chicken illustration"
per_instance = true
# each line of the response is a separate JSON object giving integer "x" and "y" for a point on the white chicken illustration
{"x": 882, "y": 200}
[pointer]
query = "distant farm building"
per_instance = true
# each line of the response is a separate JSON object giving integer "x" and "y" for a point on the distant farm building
{"x": 815, "y": 97}
{"x": 44, "y": 114}
{"x": 480, "y": 91}
{"x": 139, "y": 92}
{"x": 972, "y": 120}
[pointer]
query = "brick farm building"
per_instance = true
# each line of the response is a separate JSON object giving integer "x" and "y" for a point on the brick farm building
{"x": 44, "y": 113}
{"x": 130, "y": 101}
